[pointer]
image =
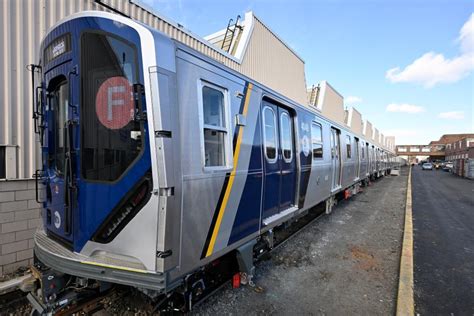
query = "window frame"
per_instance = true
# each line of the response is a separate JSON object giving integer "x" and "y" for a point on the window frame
{"x": 321, "y": 142}
{"x": 348, "y": 147}
{"x": 287, "y": 160}
{"x": 275, "y": 122}
{"x": 228, "y": 153}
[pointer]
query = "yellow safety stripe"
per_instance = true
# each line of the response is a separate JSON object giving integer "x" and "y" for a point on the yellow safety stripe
{"x": 113, "y": 266}
{"x": 231, "y": 178}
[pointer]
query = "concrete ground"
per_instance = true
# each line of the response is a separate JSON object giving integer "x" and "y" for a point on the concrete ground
{"x": 344, "y": 263}
{"x": 443, "y": 219}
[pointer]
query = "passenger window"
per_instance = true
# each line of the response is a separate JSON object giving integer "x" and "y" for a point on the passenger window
{"x": 215, "y": 129}
{"x": 362, "y": 152}
{"x": 269, "y": 123}
{"x": 348, "y": 146}
{"x": 317, "y": 140}
{"x": 286, "y": 137}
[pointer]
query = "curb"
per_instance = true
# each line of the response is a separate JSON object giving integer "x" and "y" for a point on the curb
{"x": 405, "y": 300}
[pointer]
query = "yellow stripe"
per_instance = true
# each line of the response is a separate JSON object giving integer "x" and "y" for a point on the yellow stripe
{"x": 405, "y": 301}
{"x": 113, "y": 266}
{"x": 231, "y": 178}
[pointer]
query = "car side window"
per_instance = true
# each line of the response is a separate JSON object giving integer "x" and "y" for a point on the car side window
{"x": 317, "y": 140}
{"x": 215, "y": 130}
{"x": 348, "y": 146}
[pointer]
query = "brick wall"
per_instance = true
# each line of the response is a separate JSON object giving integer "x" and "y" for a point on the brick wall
{"x": 20, "y": 215}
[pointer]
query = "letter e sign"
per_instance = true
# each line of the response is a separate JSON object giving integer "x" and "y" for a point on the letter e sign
{"x": 114, "y": 103}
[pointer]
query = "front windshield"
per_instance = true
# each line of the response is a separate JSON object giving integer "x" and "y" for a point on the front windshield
{"x": 111, "y": 136}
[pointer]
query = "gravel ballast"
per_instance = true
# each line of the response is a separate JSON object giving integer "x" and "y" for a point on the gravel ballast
{"x": 343, "y": 263}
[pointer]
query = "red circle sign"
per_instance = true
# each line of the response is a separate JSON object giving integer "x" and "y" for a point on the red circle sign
{"x": 114, "y": 103}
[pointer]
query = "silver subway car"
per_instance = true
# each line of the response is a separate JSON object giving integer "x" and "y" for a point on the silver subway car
{"x": 159, "y": 162}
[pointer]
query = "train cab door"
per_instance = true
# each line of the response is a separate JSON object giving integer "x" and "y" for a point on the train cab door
{"x": 58, "y": 161}
{"x": 378, "y": 160}
{"x": 373, "y": 164}
{"x": 357, "y": 148}
{"x": 367, "y": 158}
{"x": 336, "y": 158}
{"x": 280, "y": 159}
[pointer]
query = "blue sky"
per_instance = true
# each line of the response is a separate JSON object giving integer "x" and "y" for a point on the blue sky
{"x": 406, "y": 65}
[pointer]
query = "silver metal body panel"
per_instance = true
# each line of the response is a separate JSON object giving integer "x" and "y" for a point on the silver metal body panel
{"x": 118, "y": 270}
{"x": 202, "y": 186}
{"x": 137, "y": 239}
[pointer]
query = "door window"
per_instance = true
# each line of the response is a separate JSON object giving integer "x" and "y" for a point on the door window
{"x": 317, "y": 140}
{"x": 270, "y": 139}
{"x": 348, "y": 146}
{"x": 111, "y": 134}
{"x": 58, "y": 100}
{"x": 356, "y": 144}
{"x": 286, "y": 137}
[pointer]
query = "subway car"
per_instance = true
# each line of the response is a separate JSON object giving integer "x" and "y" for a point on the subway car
{"x": 164, "y": 170}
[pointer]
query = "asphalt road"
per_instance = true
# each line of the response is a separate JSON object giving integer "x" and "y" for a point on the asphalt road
{"x": 443, "y": 219}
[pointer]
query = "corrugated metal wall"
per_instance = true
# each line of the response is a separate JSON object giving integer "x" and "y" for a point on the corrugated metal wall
{"x": 355, "y": 121}
{"x": 368, "y": 130}
{"x": 25, "y": 22}
{"x": 270, "y": 62}
{"x": 331, "y": 103}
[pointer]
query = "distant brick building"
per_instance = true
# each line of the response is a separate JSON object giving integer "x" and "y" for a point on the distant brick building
{"x": 435, "y": 150}
{"x": 461, "y": 153}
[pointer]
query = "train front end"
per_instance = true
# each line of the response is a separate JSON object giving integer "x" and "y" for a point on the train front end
{"x": 99, "y": 211}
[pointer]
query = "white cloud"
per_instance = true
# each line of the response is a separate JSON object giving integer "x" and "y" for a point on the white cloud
{"x": 466, "y": 36}
{"x": 352, "y": 100}
{"x": 432, "y": 68}
{"x": 453, "y": 115}
{"x": 404, "y": 108}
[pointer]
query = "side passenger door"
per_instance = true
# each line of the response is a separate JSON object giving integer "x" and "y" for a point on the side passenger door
{"x": 280, "y": 160}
